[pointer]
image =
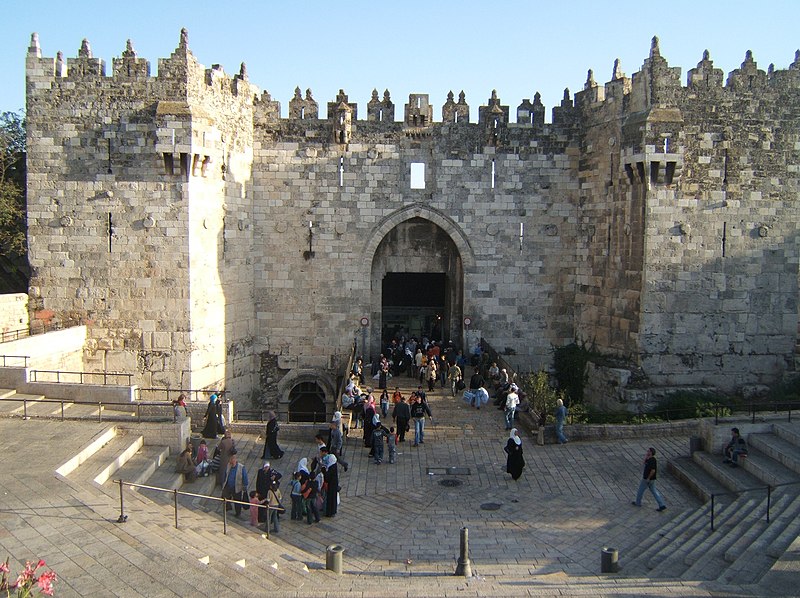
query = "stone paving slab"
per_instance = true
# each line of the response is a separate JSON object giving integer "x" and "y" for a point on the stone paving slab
{"x": 399, "y": 526}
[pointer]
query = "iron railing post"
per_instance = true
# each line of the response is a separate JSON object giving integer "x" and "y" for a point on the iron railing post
{"x": 62, "y": 411}
{"x": 175, "y": 500}
{"x": 769, "y": 498}
{"x": 122, "y": 516}
{"x": 712, "y": 512}
{"x": 99, "y": 411}
{"x": 24, "y": 409}
{"x": 224, "y": 516}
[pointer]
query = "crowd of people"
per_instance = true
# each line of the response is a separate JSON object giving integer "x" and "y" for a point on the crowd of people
{"x": 314, "y": 488}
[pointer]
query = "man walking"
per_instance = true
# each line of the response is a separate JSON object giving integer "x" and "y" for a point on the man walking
{"x": 235, "y": 484}
{"x": 401, "y": 415}
{"x": 418, "y": 412}
{"x": 649, "y": 480}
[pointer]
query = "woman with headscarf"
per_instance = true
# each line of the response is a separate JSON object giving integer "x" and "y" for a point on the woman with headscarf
{"x": 369, "y": 415}
{"x": 331, "y": 472}
{"x": 213, "y": 426}
{"x": 515, "y": 461}
{"x": 271, "y": 448}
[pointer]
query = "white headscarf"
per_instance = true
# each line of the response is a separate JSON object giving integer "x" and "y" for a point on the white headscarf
{"x": 513, "y": 436}
{"x": 303, "y": 465}
{"x": 329, "y": 460}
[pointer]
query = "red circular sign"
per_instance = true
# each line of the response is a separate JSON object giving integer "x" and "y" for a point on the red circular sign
{"x": 365, "y": 321}
{"x": 467, "y": 321}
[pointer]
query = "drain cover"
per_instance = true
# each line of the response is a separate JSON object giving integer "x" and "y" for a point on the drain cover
{"x": 451, "y": 483}
{"x": 490, "y": 506}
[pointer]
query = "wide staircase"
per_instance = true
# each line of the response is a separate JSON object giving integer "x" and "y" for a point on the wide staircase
{"x": 148, "y": 550}
{"x": 743, "y": 545}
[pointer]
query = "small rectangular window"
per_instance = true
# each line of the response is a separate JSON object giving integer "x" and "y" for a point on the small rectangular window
{"x": 417, "y": 175}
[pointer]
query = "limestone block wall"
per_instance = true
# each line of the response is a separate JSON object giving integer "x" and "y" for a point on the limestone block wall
{"x": 518, "y": 291}
{"x": 13, "y": 312}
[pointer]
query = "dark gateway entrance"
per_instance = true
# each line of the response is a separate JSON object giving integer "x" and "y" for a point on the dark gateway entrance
{"x": 414, "y": 304}
{"x": 417, "y": 285}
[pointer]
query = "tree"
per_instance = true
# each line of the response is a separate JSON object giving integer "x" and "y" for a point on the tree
{"x": 13, "y": 246}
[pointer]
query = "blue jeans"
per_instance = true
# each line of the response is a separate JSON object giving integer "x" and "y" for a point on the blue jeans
{"x": 560, "y": 432}
{"x": 510, "y": 417}
{"x": 651, "y": 485}
{"x": 419, "y": 430}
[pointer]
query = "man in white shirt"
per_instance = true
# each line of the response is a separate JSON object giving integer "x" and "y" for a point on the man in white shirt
{"x": 512, "y": 400}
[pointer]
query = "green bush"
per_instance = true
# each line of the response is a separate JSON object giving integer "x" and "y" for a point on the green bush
{"x": 689, "y": 405}
{"x": 569, "y": 365}
{"x": 541, "y": 394}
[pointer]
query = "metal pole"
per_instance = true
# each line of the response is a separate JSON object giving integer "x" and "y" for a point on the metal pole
{"x": 712, "y": 512}
{"x": 769, "y": 497}
{"x": 224, "y": 516}
{"x": 122, "y": 516}
{"x": 175, "y": 501}
{"x": 62, "y": 411}
{"x": 464, "y": 568}
{"x": 24, "y": 409}
{"x": 100, "y": 411}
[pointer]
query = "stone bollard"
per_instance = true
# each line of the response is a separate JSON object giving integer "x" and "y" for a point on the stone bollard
{"x": 609, "y": 560}
{"x": 333, "y": 558}
{"x": 464, "y": 568}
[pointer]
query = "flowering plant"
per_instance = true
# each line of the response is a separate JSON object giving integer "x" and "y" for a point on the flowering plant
{"x": 28, "y": 581}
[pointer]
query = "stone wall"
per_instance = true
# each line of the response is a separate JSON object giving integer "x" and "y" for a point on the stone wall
{"x": 13, "y": 312}
{"x": 210, "y": 243}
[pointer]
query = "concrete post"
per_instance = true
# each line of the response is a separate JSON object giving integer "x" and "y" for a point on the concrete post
{"x": 464, "y": 568}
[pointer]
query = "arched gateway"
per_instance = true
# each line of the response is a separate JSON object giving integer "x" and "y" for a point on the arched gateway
{"x": 419, "y": 258}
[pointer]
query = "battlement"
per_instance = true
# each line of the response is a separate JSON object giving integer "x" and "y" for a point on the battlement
{"x": 656, "y": 83}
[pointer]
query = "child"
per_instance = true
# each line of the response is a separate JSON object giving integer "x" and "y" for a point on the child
{"x": 392, "y": 441}
{"x": 203, "y": 465}
{"x": 297, "y": 498}
{"x": 378, "y": 438}
{"x": 384, "y": 403}
{"x": 255, "y": 506}
{"x": 274, "y": 499}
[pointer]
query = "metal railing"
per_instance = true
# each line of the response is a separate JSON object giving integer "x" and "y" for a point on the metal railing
{"x": 176, "y": 493}
{"x": 754, "y": 407}
{"x": 290, "y": 417}
{"x": 34, "y": 329}
{"x": 100, "y": 405}
{"x": 769, "y": 488}
{"x": 170, "y": 394}
{"x": 64, "y": 377}
{"x": 15, "y": 361}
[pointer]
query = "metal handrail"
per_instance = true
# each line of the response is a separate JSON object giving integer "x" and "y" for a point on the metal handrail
{"x": 24, "y": 359}
{"x": 175, "y": 493}
{"x": 768, "y": 487}
{"x": 13, "y": 335}
{"x": 99, "y": 404}
{"x": 318, "y": 417}
{"x": 82, "y": 377}
{"x": 192, "y": 395}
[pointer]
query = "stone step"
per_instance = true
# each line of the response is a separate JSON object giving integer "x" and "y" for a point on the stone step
{"x": 735, "y": 479}
{"x": 788, "y": 431}
{"x": 769, "y": 469}
{"x": 103, "y": 463}
{"x": 711, "y": 562}
{"x": 752, "y": 558}
{"x": 140, "y": 468}
{"x": 780, "y": 449}
{"x": 676, "y": 531}
{"x": 18, "y": 405}
{"x": 671, "y": 561}
{"x": 695, "y": 477}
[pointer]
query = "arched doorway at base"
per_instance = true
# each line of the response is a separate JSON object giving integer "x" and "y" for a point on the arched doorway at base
{"x": 307, "y": 403}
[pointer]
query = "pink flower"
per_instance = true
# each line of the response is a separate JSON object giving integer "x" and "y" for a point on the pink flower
{"x": 46, "y": 581}
{"x": 4, "y": 567}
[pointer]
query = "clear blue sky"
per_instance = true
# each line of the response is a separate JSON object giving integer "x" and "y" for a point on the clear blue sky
{"x": 410, "y": 46}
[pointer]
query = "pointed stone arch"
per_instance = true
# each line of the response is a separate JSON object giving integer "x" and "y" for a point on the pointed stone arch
{"x": 422, "y": 246}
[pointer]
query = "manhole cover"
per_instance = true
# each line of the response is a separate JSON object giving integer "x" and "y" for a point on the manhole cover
{"x": 451, "y": 483}
{"x": 490, "y": 506}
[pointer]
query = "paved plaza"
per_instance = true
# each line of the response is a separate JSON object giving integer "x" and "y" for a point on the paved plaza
{"x": 399, "y": 524}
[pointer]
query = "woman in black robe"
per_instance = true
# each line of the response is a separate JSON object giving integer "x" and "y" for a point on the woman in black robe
{"x": 271, "y": 448}
{"x": 515, "y": 461}
{"x": 330, "y": 470}
{"x": 369, "y": 414}
{"x": 213, "y": 425}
